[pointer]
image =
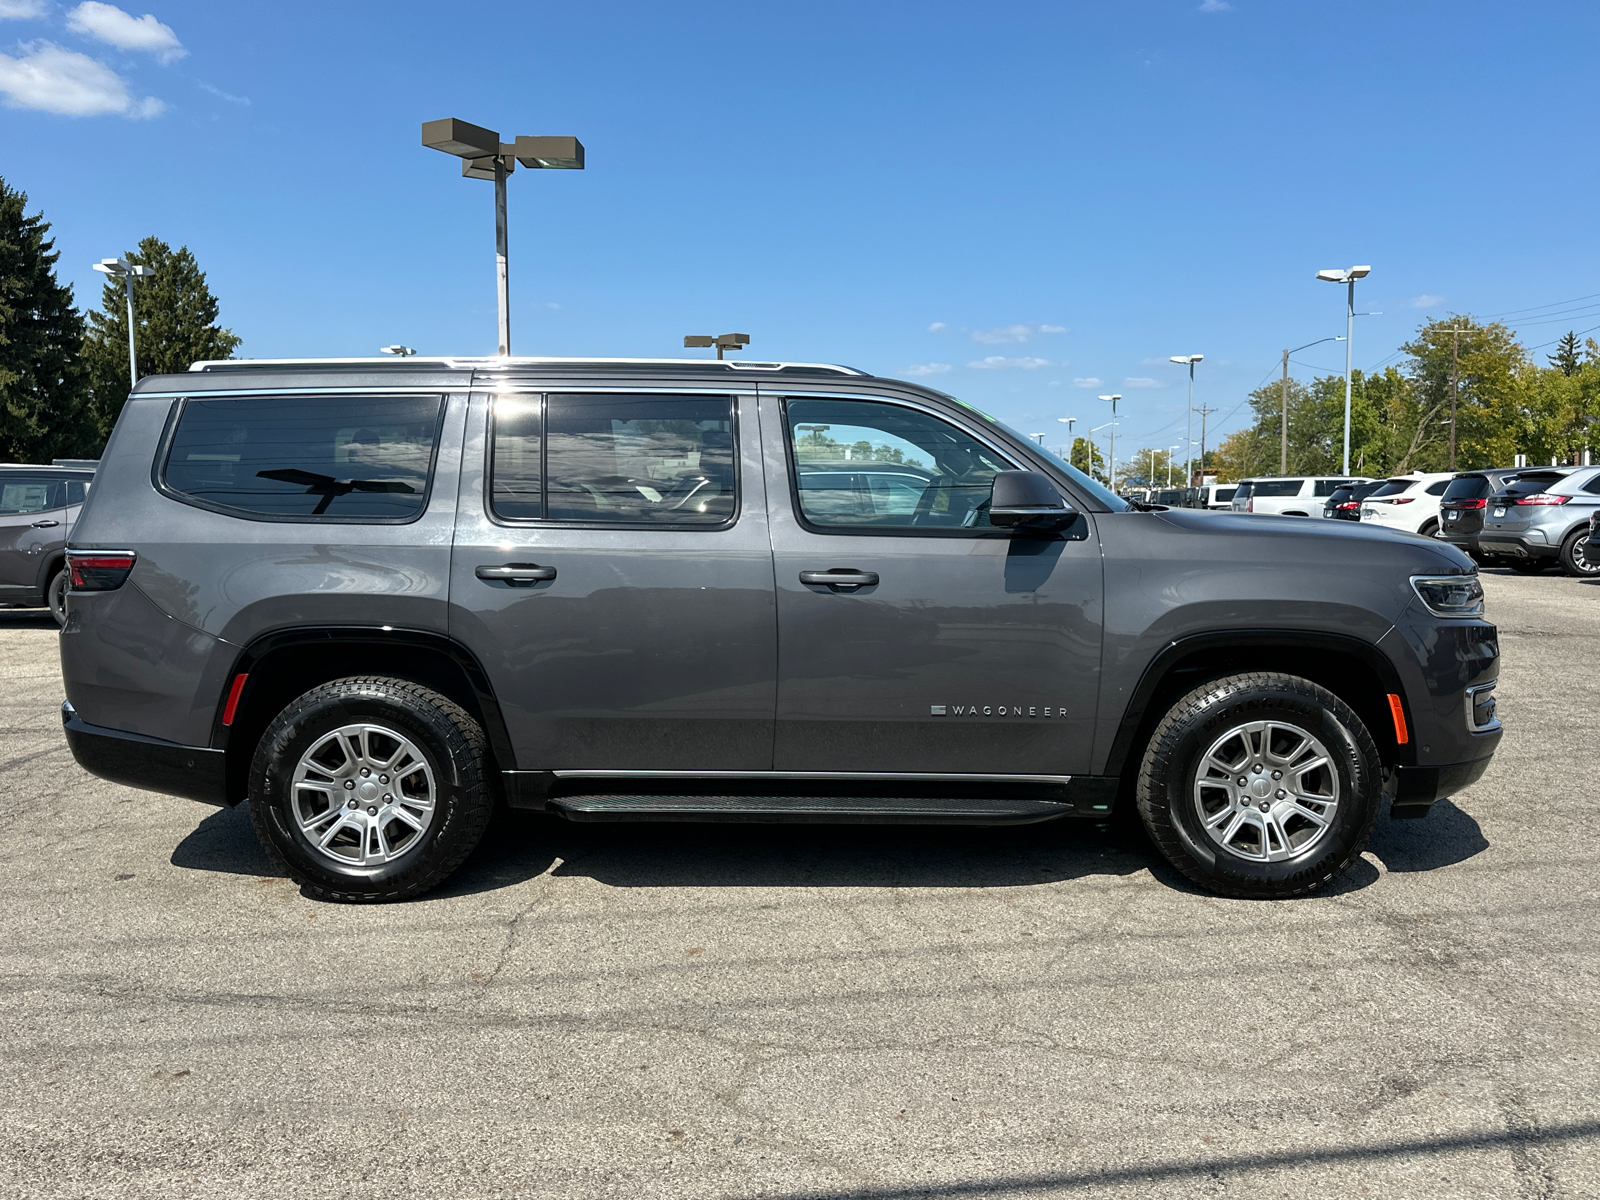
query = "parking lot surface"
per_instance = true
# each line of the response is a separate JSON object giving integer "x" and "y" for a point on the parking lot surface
{"x": 740, "y": 1011}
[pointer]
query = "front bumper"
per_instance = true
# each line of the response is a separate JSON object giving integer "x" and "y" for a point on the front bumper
{"x": 1413, "y": 790}
{"x": 193, "y": 772}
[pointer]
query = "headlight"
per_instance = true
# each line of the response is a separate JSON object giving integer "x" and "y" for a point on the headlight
{"x": 1450, "y": 595}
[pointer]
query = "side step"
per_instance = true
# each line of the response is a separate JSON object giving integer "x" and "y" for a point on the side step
{"x": 871, "y": 810}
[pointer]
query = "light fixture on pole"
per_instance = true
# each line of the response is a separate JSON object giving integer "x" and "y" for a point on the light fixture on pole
{"x": 1069, "y": 422}
{"x": 1283, "y": 397}
{"x": 1040, "y": 436}
{"x": 1171, "y": 450}
{"x": 723, "y": 341}
{"x": 1347, "y": 277}
{"x": 1090, "y": 440}
{"x": 484, "y": 156}
{"x": 1111, "y": 467}
{"x": 121, "y": 268}
{"x": 397, "y": 350}
{"x": 1189, "y": 360}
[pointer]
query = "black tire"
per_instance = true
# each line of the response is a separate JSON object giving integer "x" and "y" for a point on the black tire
{"x": 1577, "y": 558}
{"x": 1171, "y": 812}
{"x": 1528, "y": 565}
{"x": 56, "y": 596}
{"x": 449, "y": 741}
{"x": 1429, "y": 529}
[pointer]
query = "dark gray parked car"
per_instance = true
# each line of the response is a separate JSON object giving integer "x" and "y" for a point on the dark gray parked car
{"x": 38, "y": 506}
{"x": 375, "y": 598}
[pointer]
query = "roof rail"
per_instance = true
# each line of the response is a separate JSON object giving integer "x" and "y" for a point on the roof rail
{"x": 490, "y": 362}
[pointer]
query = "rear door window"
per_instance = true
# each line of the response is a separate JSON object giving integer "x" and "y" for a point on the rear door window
{"x": 306, "y": 458}
{"x": 29, "y": 492}
{"x": 615, "y": 458}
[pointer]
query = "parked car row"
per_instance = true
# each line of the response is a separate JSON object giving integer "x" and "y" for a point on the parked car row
{"x": 38, "y": 508}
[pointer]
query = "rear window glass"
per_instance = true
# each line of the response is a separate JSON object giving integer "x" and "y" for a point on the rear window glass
{"x": 29, "y": 492}
{"x": 1531, "y": 485}
{"x": 1392, "y": 487}
{"x": 1276, "y": 487}
{"x": 1437, "y": 489}
{"x": 362, "y": 458}
{"x": 1244, "y": 491}
{"x": 1593, "y": 486}
{"x": 1472, "y": 487}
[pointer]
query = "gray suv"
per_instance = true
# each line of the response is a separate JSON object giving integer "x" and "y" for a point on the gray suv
{"x": 38, "y": 506}
{"x": 1540, "y": 517}
{"x": 376, "y": 599}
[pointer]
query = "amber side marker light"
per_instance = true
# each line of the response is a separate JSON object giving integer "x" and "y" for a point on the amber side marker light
{"x": 233, "y": 699}
{"x": 1396, "y": 710}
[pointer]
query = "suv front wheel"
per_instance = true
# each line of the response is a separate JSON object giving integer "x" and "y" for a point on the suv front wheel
{"x": 370, "y": 789}
{"x": 1260, "y": 785}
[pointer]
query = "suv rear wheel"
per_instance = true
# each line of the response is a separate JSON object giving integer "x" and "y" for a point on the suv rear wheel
{"x": 1578, "y": 556}
{"x": 370, "y": 789}
{"x": 56, "y": 596}
{"x": 1260, "y": 785}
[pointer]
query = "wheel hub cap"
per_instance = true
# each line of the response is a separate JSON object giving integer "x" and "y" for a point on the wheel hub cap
{"x": 363, "y": 795}
{"x": 1266, "y": 791}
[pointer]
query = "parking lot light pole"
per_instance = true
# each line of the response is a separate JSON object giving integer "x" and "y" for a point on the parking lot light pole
{"x": 1347, "y": 277}
{"x": 484, "y": 156}
{"x": 1170, "y": 452}
{"x": 1283, "y": 397}
{"x": 1189, "y": 360}
{"x": 723, "y": 341}
{"x": 121, "y": 268}
{"x": 1111, "y": 467}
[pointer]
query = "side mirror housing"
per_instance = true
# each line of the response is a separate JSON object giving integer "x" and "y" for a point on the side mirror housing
{"x": 1028, "y": 500}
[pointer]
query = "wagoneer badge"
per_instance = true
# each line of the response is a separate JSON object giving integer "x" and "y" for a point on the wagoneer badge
{"x": 995, "y": 710}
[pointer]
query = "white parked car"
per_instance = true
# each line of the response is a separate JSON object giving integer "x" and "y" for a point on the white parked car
{"x": 1408, "y": 502}
{"x": 1289, "y": 495}
{"x": 1217, "y": 495}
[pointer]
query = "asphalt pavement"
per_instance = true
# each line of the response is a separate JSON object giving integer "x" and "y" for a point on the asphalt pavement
{"x": 768, "y": 1011}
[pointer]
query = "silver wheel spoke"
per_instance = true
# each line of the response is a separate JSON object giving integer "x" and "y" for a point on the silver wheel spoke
{"x": 373, "y": 762}
{"x": 1269, "y": 773}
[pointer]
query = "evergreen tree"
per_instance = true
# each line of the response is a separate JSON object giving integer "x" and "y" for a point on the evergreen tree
{"x": 1566, "y": 357}
{"x": 43, "y": 410}
{"x": 177, "y": 325}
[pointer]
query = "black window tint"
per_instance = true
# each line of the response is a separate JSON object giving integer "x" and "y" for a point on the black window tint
{"x": 29, "y": 491}
{"x": 1593, "y": 486}
{"x": 859, "y": 464}
{"x": 1276, "y": 487}
{"x": 77, "y": 491}
{"x": 1224, "y": 495}
{"x": 1326, "y": 487}
{"x": 516, "y": 490}
{"x": 1471, "y": 487}
{"x": 352, "y": 457}
{"x": 1392, "y": 487}
{"x": 639, "y": 459}
{"x": 1244, "y": 492}
{"x": 1437, "y": 489}
{"x": 1531, "y": 485}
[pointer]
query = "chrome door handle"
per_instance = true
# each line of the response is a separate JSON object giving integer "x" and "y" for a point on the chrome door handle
{"x": 516, "y": 574}
{"x": 840, "y": 577}
{"x": 45, "y": 524}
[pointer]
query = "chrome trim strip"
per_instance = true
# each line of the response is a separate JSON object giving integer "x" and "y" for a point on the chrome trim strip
{"x": 454, "y": 388}
{"x": 886, "y": 776}
{"x": 468, "y": 362}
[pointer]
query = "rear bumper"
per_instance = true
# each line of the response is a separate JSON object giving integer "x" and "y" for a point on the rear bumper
{"x": 193, "y": 772}
{"x": 1413, "y": 790}
{"x": 1511, "y": 546}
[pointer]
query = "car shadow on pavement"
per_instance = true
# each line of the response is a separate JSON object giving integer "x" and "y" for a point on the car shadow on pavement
{"x": 27, "y": 618}
{"x": 1446, "y": 836}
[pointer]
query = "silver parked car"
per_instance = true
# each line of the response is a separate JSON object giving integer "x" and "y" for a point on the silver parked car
{"x": 38, "y": 508}
{"x": 1542, "y": 517}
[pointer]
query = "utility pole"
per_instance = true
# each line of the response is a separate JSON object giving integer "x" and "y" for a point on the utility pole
{"x": 1455, "y": 385}
{"x": 1283, "y": 452}
{"x": 1204, "y": 412}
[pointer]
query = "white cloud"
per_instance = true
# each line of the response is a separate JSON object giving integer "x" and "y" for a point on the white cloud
{"x": 1087, "y": 381}
{"x": 1135, "y": 382}
{"x": 935, "y": 327}
{"x": 1052, "y": 329}
{"x": 930, "y": 369}
{"x": 222, "y": 95}
{"x": 21, "y": 10}
{"x": 51, "y": 79}
{"x": 1210, "y": 6}
{"x": 1055, "y": 383}
{"x": 109, "y": 24}
{"x": 996, "y": 362}
{"x": 1006, "y": 333}
{"x": 1425, "y": 302}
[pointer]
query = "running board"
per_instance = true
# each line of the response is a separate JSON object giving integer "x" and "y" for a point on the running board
{"x": 869, "y": 810}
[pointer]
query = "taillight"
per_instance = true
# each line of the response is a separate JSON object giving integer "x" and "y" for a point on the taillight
{"x": 1466, "y": 504}
{"x": 1250, "y": 505}
{"x": 1544, "y": 498}
{"x": 99, "y": 570}
{"x": 1404, "y": 499}
{"x": 1348, "y": 505}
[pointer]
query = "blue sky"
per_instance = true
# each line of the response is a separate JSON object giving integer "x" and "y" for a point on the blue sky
{"x": 1014, "y": 199}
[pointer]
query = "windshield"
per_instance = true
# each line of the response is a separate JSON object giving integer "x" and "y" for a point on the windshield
{"x": 1094, "y": 487}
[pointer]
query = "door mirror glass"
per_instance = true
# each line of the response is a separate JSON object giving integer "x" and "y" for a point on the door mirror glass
{"x": 1028, "y": 500}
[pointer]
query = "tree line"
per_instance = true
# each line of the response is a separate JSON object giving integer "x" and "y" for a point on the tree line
{"x": 63, "y": 373}
{"x": 1507, "y": 403}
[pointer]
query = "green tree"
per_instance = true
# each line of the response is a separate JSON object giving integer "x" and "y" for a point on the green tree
{"x": 1491, "y": 408}
{"x": 177, "y": 326}
{"x": 43, "y": 401}
{"x": 1566, "y": 359}
{"x": 1086, "y": 456}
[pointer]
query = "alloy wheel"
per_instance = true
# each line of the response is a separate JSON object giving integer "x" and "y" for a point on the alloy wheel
{"x": 1266, "y": 791}
{"x": 363, "y": 795}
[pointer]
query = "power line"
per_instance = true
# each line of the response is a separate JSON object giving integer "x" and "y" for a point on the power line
{"x": 1511, "y": 312}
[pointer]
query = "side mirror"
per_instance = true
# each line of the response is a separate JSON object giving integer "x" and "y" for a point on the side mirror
{"x": 1028, "y": 500}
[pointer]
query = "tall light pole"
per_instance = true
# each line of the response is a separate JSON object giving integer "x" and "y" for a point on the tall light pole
{"x": 1283, "y": 397}
{"x": 1170, "y": 452}
{"x": 1111, "y": 467}
{"x": 723, "y": 341}
{"x": 1069, "y": 422}
{"x": 1455, "y": 384}
{"x": 1189, "y": 360}
{"x": 1347, "y": 277}
{"x": 1090, "y": 440}
{"x": 484, "y": 156}
{"x": 121, "y": 268}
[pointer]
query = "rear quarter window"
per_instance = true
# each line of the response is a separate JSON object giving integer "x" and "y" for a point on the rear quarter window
{"x": 1224, "y": 495}
{"x": 1392, "y": 487}
{"x": 306, "y": 458}
{"x": 1277, "y": 487}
